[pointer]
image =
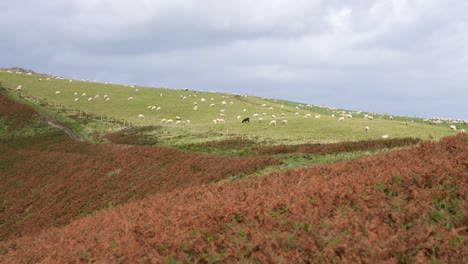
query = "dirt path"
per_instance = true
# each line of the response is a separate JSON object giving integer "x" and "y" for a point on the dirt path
{"x": 52, "y": 121}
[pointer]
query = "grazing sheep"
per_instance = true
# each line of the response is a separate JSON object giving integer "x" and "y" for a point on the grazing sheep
{"x": 270, "y": 108}
{"x": 75, "y": 93}
{"x": 263, "y": 105}
{"x": 272, "y": 123}
{"x": 137, "y": 90}
{"x": 284, "y": 122}
{"x": 57, "y": 92}
{"x": 177, "y": 118}
{"x": 385, "y": 136}
{"x": 296, "y": 113}
{"x": 169, "y": 121}
{"x": 83, "y": 94}
{"x": 462, "y": 131}
{"x": 18, "y": 88}
{"x": 211, "y": 105}
{"x": 153, "y": 108}
{"x": 178, "y": 122}
{"x": 255, "y": 115}
{"x": 239, "y": 117}
{"x": 223, "y": 103}
{"x": 222, "y": 110}
{"x": 273, "y": 116}
{"x": 76, "y": 99}
{"x": 105, "y": 96}
{"x": 307, "y": 115}
{"x": 97, "y": 96}
{"x": 107, "y": 99}
{"x": 263, "y": 114}
{"x": 130, "y": 98}
{"x": 367, "y": 129}
{"x": 195, "y": 107}
{"x": 391, "y": 117}
{"x": 148, "y": 107}
{"x": 317, "y": 116}
{"x": 222, "y": 115}
{"x": 187, "y": 122}
{"x": 140, "y": 116}
{"x": 246, "y": 120}
{"x": 163, "y": 121}
{"x": 260, "y": 120}
{"x": 282, "y": 114}
{"x": 90, "y": 99}
{"x": 220, "y": 121}
{"x": 453, "y": 128}
{"x": 158, "y": 108}
{"x": 202, "y": 100}
{"x": 245, "y": 110}
{"x": 341, "y": 119}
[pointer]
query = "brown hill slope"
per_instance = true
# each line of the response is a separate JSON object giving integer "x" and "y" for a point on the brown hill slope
{"x": 48, "y": 180}
{"x": 403, "y": 206}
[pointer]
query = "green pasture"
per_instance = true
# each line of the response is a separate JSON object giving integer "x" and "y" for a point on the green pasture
{"x": 178, "y": 102}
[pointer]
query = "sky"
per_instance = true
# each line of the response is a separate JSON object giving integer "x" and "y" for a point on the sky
{"x": 401, "y": 57}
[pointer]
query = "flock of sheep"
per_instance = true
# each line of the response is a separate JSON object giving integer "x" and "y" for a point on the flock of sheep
{"x": 259, "y": 117}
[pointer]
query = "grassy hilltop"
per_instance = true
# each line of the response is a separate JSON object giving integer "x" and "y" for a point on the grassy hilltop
{"x": 180, "y": 103}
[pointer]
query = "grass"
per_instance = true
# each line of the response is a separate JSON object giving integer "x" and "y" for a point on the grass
{"x": 202, "y": 129}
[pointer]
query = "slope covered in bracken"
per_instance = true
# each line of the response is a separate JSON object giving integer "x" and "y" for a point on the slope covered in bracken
{"x": 397, "y": 207}
{"x": 48, "y": 180}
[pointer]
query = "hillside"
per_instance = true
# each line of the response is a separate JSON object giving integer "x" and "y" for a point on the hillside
{"x": 98, "y": 117}
{"x": 398, "y": 207}
{"x": 88, "y": 181}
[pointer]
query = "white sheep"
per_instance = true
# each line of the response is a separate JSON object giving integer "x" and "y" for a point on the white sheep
{"x": 282, "y": 114}
{"x": 263, "y": 105}
{"x": 284, "y": 122}
{"x": 211, "y": 105}
{"x": 153, "y": 108}
{"x": 187, "y": 122}
{"x": 220, "y": 121}
{"x": 105, "y": 96}
{"x": 177, "y": 118}
{"x": 366, "y": 128}
{"x": 263, "y": 114}
{"x": 18, "y": 88}
{"x": 260, "y": 120}
{"x": 83, "y": 94}
{"x": 202, "y": 100}
{"x": 385, "y": 136}
{"x": 462, "y": 131}
{"x": 107, "y": 99}
{"x": 163, "y": 121}
{"x": 195, "y": 107}
{"x": 307, "y": 115}
{"x": 57, "y": 92}
{"x": 270, "y": 108}
{"x": 158, "y": 108}
{"x": 75, "y": 93}
{"x": 453, "y": 128}
{"x": 296, "y": 113}
{"x": 317, "y": 116}
{"x": 148, "y": 107}
{"x": 238, "y": 117}
{"x": 137, "y": 90}
{"x": 255, "y": 115}
{"x": 272, "y": 123}
{"x": 177, "y": 122}
{"x": 140, "y": 116}
{"x": 222, "y": 110}
{"x": 341, "y": 119}
{"x": 245, "y": 110}
{"x": 273, "y": 116}
{"x": 130, "y": 98}
{"x": 222, "y": 115}
{"x": 169, "y": 121}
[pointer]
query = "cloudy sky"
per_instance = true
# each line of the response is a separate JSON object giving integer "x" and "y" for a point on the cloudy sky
{"x": 404, "y": 57}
